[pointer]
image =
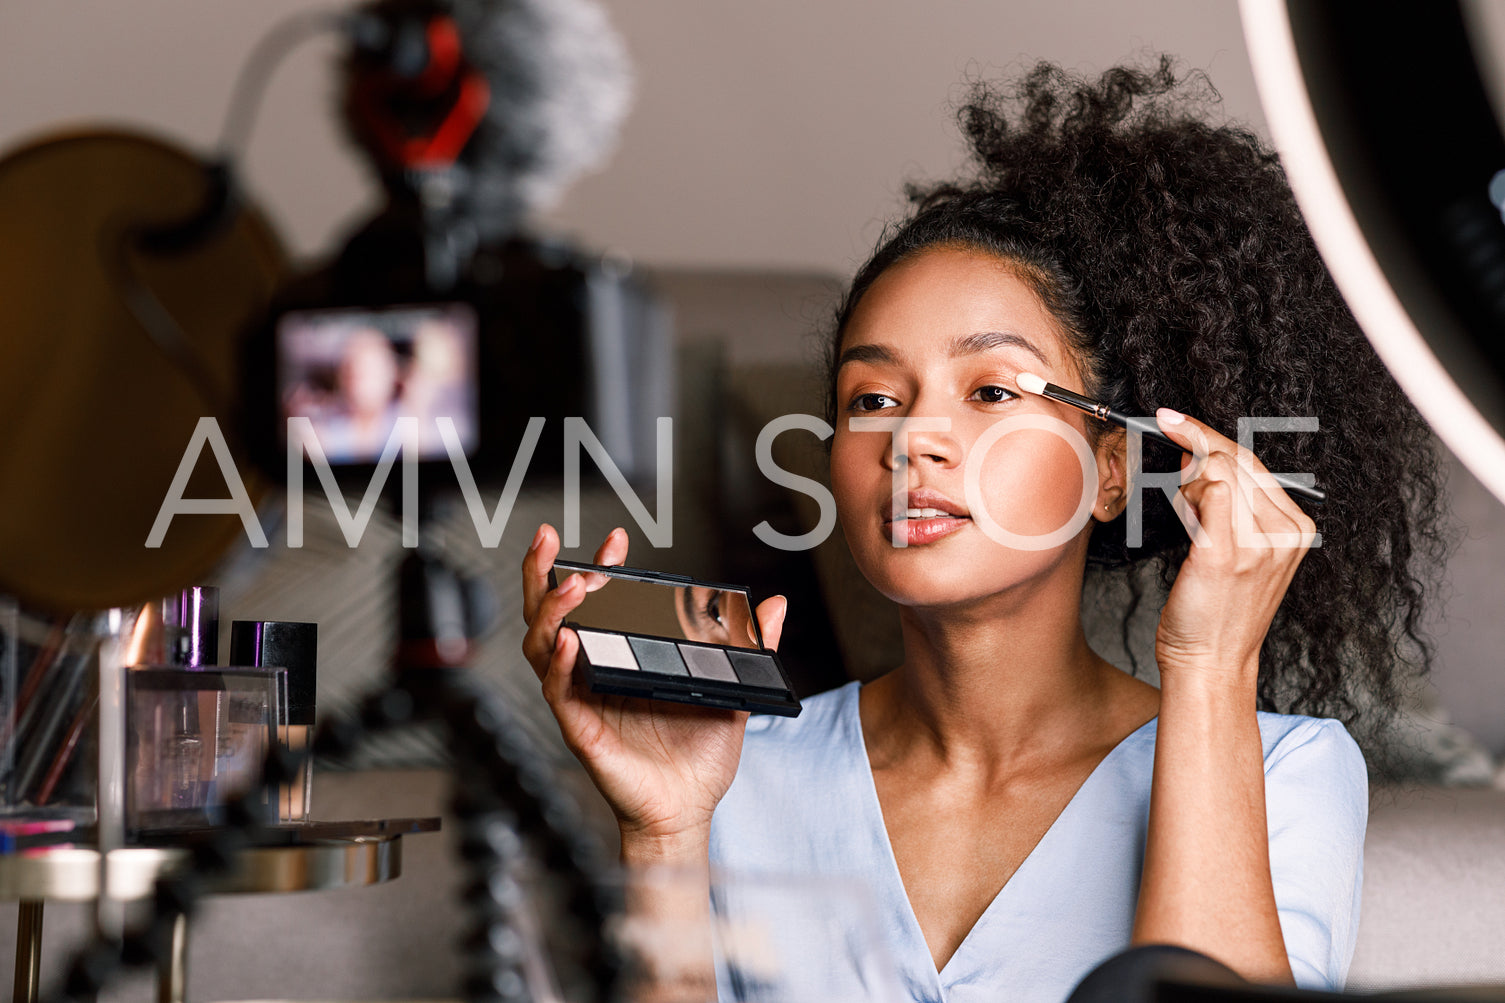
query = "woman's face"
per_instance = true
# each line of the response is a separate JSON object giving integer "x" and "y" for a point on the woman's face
{"x": 714, "y": 616}
{"x": 940, "y": 338}
{"x": 368, "y": 373}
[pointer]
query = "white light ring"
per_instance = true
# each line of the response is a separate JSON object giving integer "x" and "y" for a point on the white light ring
{"x": 1353, "y": 266}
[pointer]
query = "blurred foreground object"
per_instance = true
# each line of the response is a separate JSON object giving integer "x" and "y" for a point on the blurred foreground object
{"x": 96, "y": 413}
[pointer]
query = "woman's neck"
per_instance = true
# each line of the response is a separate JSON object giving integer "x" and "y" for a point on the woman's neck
{"x": 988, "y": 685}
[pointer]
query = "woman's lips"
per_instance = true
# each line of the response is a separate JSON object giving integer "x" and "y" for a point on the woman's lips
{"x": 924, "y": 526}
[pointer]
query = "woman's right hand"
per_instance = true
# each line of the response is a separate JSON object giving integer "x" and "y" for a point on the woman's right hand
{"x": 663, "y": 767}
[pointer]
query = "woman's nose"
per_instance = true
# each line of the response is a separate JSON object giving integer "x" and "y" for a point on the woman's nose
{"x": 922, "y": 439}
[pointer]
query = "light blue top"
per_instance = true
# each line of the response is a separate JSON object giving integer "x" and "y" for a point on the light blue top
{"x": 803, "y": 802}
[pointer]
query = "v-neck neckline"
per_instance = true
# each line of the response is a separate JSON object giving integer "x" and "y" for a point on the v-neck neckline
{"x": 876, "y": 807}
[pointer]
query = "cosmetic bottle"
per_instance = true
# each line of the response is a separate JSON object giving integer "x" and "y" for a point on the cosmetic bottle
{"x": 192, "y": 639}
{"x": 291, "y": 646}
{"x": 193, "y": 628}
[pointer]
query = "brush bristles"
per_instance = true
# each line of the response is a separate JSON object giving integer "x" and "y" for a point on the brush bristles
{"x": 1031, "y": 384}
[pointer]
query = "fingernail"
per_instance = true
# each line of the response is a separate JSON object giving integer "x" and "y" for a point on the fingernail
{"x": 537, "y": 540}
{"x": 1168, "y": 417}
{"x": 571, "y": 582}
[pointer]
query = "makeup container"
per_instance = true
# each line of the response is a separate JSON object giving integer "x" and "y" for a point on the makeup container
{"x": 292, "y": 646}
{"x": 194, "y": 740}
{"x": 668, "y": 637}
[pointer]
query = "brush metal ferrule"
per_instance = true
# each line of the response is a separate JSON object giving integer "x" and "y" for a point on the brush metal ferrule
{"x": 1076, "y": 400}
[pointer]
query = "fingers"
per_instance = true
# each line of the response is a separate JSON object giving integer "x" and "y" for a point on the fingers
{"x": 613, "y": 551}
{"x": 1205, "y": 440}
{"x": 1257, "y": 513}
{"x": 544, "y": 609}
{"x": 771, "y": 620}
{"x": 544, "y": 551}
{"x": 571, "y": 708}
{"x": 541, "y": 641}
{"x": 560, "y": 671}
{"x": 536, "y": 564}
{"x": 1206, "y": 507}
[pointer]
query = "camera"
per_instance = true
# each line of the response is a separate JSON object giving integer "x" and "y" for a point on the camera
{"x": 442, "y": 326}
{"x": 363, "y": 359}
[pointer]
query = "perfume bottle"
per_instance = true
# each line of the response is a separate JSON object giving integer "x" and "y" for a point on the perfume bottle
{"x": 292, "y": 646}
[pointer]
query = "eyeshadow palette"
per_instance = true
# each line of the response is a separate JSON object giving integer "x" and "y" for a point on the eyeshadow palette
{"x": 668, "y": 637}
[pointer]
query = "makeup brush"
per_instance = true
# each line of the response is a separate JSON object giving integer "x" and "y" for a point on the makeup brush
{"x": 1030, "y": 383}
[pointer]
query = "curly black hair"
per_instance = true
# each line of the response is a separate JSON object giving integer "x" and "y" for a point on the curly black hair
{"x": 1173, "y": 255}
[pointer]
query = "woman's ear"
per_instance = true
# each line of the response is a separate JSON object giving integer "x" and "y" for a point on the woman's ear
{"x": 1112, "y": 474}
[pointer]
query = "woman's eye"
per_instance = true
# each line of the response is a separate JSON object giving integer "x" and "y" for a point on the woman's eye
{"x": 993, "y": 394}
{"x": 872, "y": 402}
{"x": 713, "y": 607}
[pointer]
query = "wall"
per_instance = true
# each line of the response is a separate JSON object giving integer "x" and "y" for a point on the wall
{"x": 771, "y": 134}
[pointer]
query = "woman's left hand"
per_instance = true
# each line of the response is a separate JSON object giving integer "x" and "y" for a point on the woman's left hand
{"x": 1248, "y": 537}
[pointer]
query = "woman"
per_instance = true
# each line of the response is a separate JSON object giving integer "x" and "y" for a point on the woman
{"x": 1021, "y": 808}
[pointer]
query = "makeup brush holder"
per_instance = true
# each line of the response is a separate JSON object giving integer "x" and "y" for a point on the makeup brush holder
{"x": 48, "y": 728}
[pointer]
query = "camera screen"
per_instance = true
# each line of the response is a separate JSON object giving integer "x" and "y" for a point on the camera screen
{"x": 354, "y": 372}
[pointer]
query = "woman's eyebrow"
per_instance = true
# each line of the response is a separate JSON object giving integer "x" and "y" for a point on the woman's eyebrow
{"x": 968, "y": 344}
{"x": 985, "y": 341}
{"x": 877, "y": 355}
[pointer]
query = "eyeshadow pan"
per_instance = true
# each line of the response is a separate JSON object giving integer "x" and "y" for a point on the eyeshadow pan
{"x": 607, "y": 650}
{"x": 756, "y": 670}
{"x": 708, "y": 663}
{"x": 658, "y": 656}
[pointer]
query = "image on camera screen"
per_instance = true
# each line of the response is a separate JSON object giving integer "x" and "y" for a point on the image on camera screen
{"x": 354, "y": 372}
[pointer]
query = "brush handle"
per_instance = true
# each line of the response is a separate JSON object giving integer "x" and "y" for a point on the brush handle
{"x": 1147, "y": 427}
{"x": 1150, "y": 429}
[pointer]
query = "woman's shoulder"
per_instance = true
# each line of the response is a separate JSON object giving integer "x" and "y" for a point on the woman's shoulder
{"x": 1313, "y": 768}
{"x": 1294, "y": 737}
{"x": 1293, "y": 740}
{"x": 1302, "y": 756}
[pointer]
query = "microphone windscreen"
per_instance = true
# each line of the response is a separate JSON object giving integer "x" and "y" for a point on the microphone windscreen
{"x": 561, "y": 85}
